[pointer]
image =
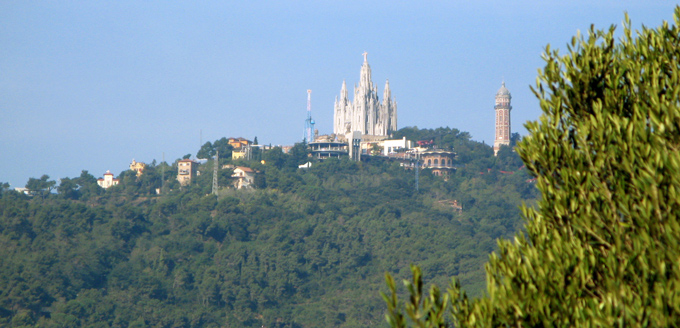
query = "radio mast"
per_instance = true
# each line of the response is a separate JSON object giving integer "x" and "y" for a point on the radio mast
{"x": 308, "y": 135}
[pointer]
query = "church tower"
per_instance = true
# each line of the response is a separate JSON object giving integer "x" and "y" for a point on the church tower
{"x": 365, "y": 113}
{"x": 502, "y": 118}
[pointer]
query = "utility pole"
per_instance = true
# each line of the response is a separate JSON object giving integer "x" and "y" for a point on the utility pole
{"x": 216, "y": 164}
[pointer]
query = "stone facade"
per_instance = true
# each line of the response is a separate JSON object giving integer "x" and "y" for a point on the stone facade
{"x": 365, "y": 113}
{"x": 503, "y": 108}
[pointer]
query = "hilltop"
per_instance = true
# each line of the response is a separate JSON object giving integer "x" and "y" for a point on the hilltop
{"x": 305, "y": 248}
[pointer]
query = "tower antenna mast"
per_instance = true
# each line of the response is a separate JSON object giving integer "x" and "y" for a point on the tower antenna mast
{"x": 309, "y": 123}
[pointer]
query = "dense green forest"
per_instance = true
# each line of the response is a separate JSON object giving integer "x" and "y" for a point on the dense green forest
{"x": 601, "y": 246}
{"x": 307, "y": 248}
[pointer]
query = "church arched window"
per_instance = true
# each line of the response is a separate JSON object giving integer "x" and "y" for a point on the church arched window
{"x": 436, "y": 161}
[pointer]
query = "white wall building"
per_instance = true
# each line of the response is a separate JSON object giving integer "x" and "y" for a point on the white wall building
{"x": 365, "y": 113}
{"x": 245, "y": 177}
{"x": 392, "y": 146}
{"x": 107, "y": 181}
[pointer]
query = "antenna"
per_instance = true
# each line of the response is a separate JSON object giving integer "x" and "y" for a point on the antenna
{"x": 309, "y": 123}
{"x": 216, "y": 164}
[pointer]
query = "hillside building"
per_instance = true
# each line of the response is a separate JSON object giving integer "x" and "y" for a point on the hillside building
{"x": 452, "y": 204}
{"x": 365, "y": 113}
{"x": 502, "y": 108}
{"x": 327, "y": 147}
{"x": 186, "y": 170}
{"x": 137, "y": 167}
{"x": 242, "y": 147}
{"x": 244, "y": 177}
{"x": 108, "y": 180}
{"x": 238, "y": 154}
{"x": 439, "y": 161}
{"x": 239, "y": 142}
{"x": 395, "y": 145}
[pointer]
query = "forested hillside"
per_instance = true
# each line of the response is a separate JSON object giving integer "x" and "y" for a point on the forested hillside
{"x": 308, "y": 248}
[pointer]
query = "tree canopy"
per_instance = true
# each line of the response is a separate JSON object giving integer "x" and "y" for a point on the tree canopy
{"x": 601, "y": 246}
{"x": 306, "y": 248}
{"x": 40, "y": 186}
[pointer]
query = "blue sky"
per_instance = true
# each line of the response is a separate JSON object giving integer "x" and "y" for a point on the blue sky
{"x": 90, "y": 85}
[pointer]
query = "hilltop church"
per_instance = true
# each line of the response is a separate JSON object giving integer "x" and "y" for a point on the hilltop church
{"x": 365, "y": 113}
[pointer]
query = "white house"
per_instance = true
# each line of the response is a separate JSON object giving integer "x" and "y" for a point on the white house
{"x": 391, "y": 146}
{"x": 245, "y": 177}
{"x": 107, "y": 181}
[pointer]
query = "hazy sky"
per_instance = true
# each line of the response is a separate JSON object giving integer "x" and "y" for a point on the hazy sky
{"x": 93, "y": 84}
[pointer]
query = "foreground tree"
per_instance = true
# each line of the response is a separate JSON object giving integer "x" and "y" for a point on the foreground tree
{"x": 602, "y": 246}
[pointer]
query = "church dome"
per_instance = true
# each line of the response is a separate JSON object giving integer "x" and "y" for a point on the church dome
{"x": 503, "y": 91}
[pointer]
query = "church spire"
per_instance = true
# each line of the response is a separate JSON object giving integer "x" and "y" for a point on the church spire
{"x": 389, "y": 108}
{"x": 365, "y": 113}
{"x": 365, "y": 81}
{"x": 343, "y": 91}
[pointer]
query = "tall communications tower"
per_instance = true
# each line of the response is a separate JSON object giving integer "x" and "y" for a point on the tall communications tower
{"x": 308, "y": 135}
